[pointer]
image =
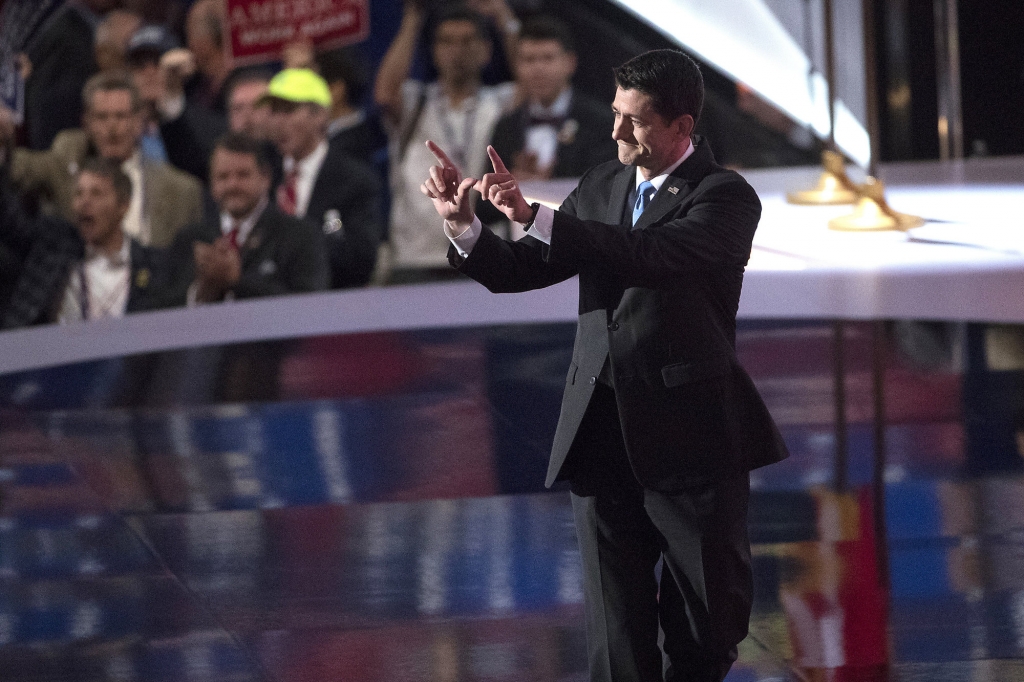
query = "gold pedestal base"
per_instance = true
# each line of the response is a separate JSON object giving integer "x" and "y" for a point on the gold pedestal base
{"x": 834, "y": 187}
{"x": 873, "y": 214}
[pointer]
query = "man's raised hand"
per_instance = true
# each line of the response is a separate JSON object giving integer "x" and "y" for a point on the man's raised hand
{"x": 446, "y": 188}
{"x": 501, "y": 189}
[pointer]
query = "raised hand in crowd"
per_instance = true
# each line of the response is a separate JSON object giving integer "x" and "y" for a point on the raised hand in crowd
{"x": 300, "y": 54}
{"x": 176, "y": 67}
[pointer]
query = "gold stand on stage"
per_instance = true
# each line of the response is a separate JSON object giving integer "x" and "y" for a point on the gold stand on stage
{"x": 873, "y": 213}
{"x": 834, "y": 185}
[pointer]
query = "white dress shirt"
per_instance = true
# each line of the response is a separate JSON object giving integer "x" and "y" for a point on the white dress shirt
{"x": 542, "y": 139}
{"x": 227, "y": 223}
{"x": 136, "y": 222}
{"x": 309, "y": 169}
{"x": 545, "y": 218}
{"x": 108, "y": 280}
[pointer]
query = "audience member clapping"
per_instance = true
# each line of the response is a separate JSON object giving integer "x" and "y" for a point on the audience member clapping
{"x": 250, "y": 248}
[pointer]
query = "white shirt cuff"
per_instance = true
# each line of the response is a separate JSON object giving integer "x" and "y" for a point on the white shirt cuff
{"x": 171, "y": 109}
{"x": 542, "y": 224}
{"x": 465, "y": 240}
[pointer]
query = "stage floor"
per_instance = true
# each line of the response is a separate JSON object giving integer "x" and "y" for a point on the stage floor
{"x": 369, "y": 507}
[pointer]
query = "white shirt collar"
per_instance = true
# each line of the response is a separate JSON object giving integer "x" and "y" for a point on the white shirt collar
{"x": 313, "y": 160}
{"x": 345, "y": 122}
{"x": 560, "y": 107}
{"x": 120, "y": 259}
{"x": 245, "y": 227}
{"x": 659, "y": 179}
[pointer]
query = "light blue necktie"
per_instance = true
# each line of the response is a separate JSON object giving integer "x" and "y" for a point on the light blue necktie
{"x": 643, "y": 197}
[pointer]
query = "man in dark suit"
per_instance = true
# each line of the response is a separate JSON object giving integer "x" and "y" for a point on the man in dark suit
{"x": 62, "y": 61}
{"x": 659, "y": 424}
{"x": 556, "y": 132}
{"x": 321, "y": 183}
{"x": 82, "y": 271}
{"x": 250, "y": 249}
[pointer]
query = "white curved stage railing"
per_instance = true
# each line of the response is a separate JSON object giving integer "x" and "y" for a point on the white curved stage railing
{"x": 798, "y": 270}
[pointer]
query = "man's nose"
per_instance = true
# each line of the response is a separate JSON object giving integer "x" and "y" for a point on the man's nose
{"x": 620, "y": 130}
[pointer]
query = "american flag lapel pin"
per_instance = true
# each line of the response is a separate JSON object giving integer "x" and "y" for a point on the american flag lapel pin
{"x": 673, "y": 190}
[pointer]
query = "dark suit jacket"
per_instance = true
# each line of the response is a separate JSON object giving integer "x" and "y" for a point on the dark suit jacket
{"x": 659, "y": 304}
{"x": 189, "y": 139}
{"x": 62, "y": 60}
{"x": 346, "y": 207}
{"x": 48, "y": 248}
{"x": 364, "y": 141}
{"x": 282, "y": 255}
{"x": 590, "y": 144}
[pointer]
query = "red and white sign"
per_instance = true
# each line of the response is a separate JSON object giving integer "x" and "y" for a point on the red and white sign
{"x": 259, "y": 29}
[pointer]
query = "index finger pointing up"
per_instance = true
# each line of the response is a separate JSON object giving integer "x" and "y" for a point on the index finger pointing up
{"x": 439, "y": 154}
{"x": 499, "y": 165}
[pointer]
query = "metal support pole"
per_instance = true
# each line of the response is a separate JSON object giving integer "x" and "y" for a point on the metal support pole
{"x": 947, "y": 74}
{"x": 830, "y": 72}
{"x": 871, "y": 84}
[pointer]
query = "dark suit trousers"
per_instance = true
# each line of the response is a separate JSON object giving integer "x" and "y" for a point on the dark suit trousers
{"x": 700, "y": 609}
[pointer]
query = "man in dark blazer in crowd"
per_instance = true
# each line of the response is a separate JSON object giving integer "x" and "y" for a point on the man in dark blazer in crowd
{"x": 321, "y": 184}
{"x": 557, "y": 132}
{"x": 659, "y": 424}
{"x": 249, "y": 249}
{"x": 82, "y": 271}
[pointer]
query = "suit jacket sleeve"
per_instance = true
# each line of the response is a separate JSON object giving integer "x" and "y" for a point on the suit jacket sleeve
{"x": 31, "y": 171}
{"x": 505, "y": 266}
{"x": 189, "y": 139}
{"x": 17, "y": 230}
{"x": 715, "y": 231}
{"x": 179, "y": 268}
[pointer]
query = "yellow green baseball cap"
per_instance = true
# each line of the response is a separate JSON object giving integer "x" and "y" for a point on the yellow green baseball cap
{"x": 300, "y": 86}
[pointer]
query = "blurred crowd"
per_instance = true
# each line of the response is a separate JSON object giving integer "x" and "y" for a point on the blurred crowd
{"x": 145, "y": 171}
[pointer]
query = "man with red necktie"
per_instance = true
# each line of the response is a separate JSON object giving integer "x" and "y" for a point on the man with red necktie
{"x": 251, "y": 249}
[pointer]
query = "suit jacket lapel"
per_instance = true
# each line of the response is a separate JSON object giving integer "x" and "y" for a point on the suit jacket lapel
{"x": 622, "y": 185}
{"x": 256, "y": 240}
{"x": 679, "y": 185}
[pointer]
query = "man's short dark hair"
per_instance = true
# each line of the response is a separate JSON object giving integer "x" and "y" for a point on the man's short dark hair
{"x": 548, "y": 28}
{"x": 240, "y": 143}
{"x": 670, "y": 78}
{"x": 111, "y": 170}
{"x": 249, "y": 74}
{"x": 342, "y": 65}
{"x": 460, "y": 13}
{"x": 111, "y": 82}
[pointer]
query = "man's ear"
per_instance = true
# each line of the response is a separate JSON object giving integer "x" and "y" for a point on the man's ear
{"x": 685, "y": 125}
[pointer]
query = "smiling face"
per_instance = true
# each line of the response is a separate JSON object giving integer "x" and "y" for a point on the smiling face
{"x": 645, "y": 138}
{"x": 237, "y": 182}
{"x": 97, "y": 208}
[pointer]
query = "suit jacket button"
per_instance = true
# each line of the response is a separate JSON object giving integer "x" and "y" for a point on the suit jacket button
{"x": 614, "y": 326}
{"x": 593, "y": 380}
